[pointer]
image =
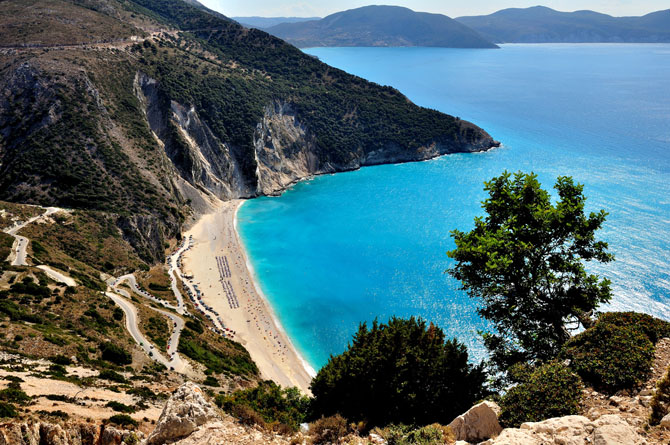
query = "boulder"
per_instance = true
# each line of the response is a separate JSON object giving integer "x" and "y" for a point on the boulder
{"x": 184, "y": 412}
{"x": 479, "y": 423}
{"x": 665, "y": 421}
{"x": 570, "y": 430}
{"x": 613, "y": 430}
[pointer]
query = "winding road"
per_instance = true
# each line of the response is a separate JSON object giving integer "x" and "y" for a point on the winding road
{"x": 19, "y": 250}
{"x": 130, "y": 278}
{"x": 131, "y": 325}
{"x": 18, "y": 257}
{"x": 174, "y": 360}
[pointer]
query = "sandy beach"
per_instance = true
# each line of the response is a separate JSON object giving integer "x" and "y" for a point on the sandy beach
{"x": 217, "y": 261}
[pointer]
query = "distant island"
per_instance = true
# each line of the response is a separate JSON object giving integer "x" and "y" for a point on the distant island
{"x": 540, "y": 24}
{"x": 267, "y": 22}
{"x": 381, "y": 26}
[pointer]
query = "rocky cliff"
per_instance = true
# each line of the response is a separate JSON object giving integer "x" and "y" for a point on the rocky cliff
{"x": 183, "y": 107}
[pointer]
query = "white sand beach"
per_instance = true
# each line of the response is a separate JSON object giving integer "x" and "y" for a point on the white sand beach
{"x": 217, "y": 261}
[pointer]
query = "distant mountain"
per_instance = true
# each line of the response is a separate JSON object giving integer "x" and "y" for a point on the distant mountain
{"x": 381, "y": 26}
{"x": 540, "y": 24}
{"x": 267, "y": 22}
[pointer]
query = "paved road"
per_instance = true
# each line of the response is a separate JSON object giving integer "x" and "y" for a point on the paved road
{"x": 58, "y": 276}
{"x": 131, "y": 325}
{"x": 130, "y": 278}
{"x": 174, "y": 359}
{"x": 19, "y": 249}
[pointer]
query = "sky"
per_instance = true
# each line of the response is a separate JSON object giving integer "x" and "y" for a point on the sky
{"x": 452, "y": 8}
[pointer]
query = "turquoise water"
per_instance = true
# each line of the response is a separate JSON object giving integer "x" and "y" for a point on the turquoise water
{"x": 345, "y": 248}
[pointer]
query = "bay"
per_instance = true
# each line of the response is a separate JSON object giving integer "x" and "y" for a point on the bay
{"x": 341, "y": 249}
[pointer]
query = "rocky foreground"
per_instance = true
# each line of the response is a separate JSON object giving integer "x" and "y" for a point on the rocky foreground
{"x": 188, "y": 418}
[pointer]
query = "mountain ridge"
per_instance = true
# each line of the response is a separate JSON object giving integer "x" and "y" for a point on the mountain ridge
{"x": 148, "y": 109}
{"x": 381, "y": 26}
{"x": 540, "y": 24}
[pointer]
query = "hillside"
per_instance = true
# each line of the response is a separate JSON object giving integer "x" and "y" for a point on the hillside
{"x": 381, "y": 26}
{"x": 147, "y": 109}
{"x": 540, "y": 24}
{"x": 267, "y": 22}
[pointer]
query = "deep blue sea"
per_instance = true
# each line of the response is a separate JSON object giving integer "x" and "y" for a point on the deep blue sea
{"x": 346, "y": 248}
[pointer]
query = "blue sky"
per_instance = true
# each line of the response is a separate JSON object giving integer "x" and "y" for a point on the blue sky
{"x": 453, "y": 8}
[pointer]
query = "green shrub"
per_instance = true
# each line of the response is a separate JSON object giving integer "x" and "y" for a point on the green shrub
{"x": 552, "y": 390}
{"x": 7, "y": 410}
{"x": 610, "y": 357}
{"x": 653, "y": 327}
{"x": 328, "y": 430}
{"x": 122, "y": 420}
{"x": 400, "y": 372}
{"x": 61, "y": 360}
{"x": 211, "y": 381}
{"x": 14, "y": 394}
{"x": 120, "y": 407}
{"x": 115, "y": 354}
{"x": 660, "y": 403}
{"x": 112, "y": 376}
{"x": 275, "y": 405}
{"x": 435, "y": 434}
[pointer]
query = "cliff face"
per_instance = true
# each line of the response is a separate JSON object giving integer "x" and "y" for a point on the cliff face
{"x": 183, "y": 108}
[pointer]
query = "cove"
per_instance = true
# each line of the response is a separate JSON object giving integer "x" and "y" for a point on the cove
{"x": 341, "y": 249}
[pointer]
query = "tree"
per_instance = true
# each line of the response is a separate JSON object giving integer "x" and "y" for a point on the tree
{"x": 525, "y": 262}
{"x": 400, "y": 372}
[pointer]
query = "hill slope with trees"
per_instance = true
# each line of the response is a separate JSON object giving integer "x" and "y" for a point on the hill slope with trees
{"x": 381, "y": 26}
{"x": 540, "y": 24}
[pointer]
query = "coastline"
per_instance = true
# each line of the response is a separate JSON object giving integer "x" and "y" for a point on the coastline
{"x": 250, "y": 316}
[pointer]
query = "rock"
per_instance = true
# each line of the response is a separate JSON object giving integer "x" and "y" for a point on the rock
{"x": 570, "y": 430}
{"x": 479, "y": 423}
{"x": 613, "y": 430}
{"x": 665, "y": 421}
{"x": 616, "y": 400}
{"x": 184, "y": 412}
{"x": 111, "y": 436}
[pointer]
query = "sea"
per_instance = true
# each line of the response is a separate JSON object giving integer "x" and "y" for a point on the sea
{"x": 338, "y": 250}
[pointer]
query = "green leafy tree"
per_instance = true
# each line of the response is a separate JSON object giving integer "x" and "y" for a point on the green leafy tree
{"x": 525, "y": 260}
{"x": 400, "y": 372}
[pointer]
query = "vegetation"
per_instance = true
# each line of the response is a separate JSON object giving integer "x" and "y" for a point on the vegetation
{"x": 435, "y": 434}
{"x": 7, "y": 410}
{"x": 550, "y": 390}
{"x": 329, "y": 429}
{"x": 123, "y": 420}
{"x": 226, "y": 357}
{"x": 120, "y": 407}
{"x": 611, "y": 357}
{"x": 524, "y": 262}
{"x": 283, "y": 408}
{"x": 14, "y": 394}
{"x": 652, "y": 327}
{"x": 398, "y": 372}
{"x": 660, "y": 403}
{"x": 112, "y": 376}
{"x": 114, "y": 354}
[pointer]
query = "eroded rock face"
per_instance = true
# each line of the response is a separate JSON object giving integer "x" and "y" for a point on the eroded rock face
{"x": 479, "y": 423}
{"x": 42, "y": 433}
{"x": 570, "y": 430}
{"x": 184, "y": 412}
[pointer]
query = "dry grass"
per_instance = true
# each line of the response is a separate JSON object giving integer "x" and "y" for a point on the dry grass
{"x": 56, "y": 22}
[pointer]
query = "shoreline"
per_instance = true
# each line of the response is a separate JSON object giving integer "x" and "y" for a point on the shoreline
{"x": 254, "y": 279}
{"x": 216, "y": 241}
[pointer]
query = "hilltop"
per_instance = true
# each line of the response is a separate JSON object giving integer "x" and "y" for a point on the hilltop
{"x": 121, "y": 123}
{"x": 381, "y": 26}
{"x": 267, "y": 22}
{"x": 540, "y": 24}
